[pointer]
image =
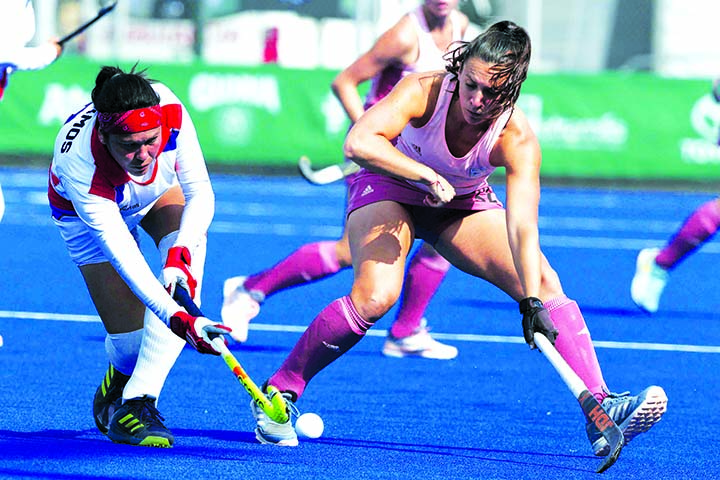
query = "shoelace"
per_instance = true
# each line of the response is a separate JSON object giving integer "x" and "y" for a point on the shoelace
{"x": 617, "y": 406}
{"x": 149, "y": 414}
{"x": 290, "y": 405}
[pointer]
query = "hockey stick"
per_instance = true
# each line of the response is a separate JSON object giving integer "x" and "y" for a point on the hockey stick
{"x": 326, "y": 175}
{"x": 101, "y": 13}
{"x": 273, "y": 404}
{"x": 589, "y": 404}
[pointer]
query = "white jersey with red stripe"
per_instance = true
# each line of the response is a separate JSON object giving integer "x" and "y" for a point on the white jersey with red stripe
{"x": 87, "y": 183}
{"x": 428, "y": 145}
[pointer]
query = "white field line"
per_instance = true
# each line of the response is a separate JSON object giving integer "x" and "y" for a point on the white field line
{"x": 458, "y": 337}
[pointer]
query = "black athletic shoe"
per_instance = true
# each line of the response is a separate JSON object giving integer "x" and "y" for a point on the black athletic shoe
{"x": 108, "y": 397}
{"x": 138, "y": 422}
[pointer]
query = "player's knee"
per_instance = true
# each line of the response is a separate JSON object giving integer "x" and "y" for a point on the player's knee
{"x": 342, "y": 250}
{"x": 373, "y": 304}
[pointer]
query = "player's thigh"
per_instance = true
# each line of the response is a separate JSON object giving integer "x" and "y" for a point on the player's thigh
{"x": 164, "y": 217}
{"x": 478, "y": 244}
{"x": 120, "y": 310}
{"x": 380, "y": 236}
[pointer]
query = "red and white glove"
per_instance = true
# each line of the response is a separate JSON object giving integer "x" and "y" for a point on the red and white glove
{"x": 177, "y": 271}
{"x": 197, "y": 331}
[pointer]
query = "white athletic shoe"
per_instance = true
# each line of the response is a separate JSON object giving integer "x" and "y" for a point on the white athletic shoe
{"x": 649, "y": 280}
{"x": 419, "y": 344}
{"x": 269, "y": 432}
{"x": 239, "y": 307}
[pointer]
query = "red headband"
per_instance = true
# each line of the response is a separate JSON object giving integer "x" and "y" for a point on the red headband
{"x": 132, "y": 121}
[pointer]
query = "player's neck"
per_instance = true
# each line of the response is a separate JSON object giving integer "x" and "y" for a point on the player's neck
{"x": 435, "y": 22}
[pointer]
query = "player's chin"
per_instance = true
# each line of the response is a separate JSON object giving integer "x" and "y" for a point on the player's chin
{"x": 473, "y": 118}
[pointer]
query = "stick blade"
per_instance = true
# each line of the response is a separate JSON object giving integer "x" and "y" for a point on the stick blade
{"x": 616, "y": 446}
{"x": 323, "y": 176}
{"x": 596, "y": 414}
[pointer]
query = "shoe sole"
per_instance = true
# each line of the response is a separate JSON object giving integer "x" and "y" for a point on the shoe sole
{"x": 158, "y": 442}
{"x": 642, "y": 419}
{"x": 149, "y": 441}
{"x": 291, "y": 442}
{"x": 394, "y": 352}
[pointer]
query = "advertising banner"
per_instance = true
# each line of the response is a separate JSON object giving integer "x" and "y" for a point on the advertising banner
{"x": 612, "y": 125}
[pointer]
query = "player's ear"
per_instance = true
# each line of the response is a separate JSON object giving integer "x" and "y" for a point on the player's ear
{"x": 103, "y": 138}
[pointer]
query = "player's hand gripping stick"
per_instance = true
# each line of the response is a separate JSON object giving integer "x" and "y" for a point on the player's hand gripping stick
{"x": 273, "y": 404}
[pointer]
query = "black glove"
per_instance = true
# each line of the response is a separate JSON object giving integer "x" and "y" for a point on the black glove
{"x": 536, "y": 319}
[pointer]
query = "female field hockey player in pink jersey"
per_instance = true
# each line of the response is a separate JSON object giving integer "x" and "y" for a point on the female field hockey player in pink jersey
{"x": 453, "y": 129}
{"x": 416, "y": 43}
{"x": 128, "y": 160}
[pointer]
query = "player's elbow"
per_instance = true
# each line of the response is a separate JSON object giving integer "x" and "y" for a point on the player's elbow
{"x": 353, "y": 146}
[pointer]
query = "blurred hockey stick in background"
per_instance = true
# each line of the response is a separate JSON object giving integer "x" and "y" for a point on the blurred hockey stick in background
{"x": 101, "y": 13}
{"x": 326, "y": 175}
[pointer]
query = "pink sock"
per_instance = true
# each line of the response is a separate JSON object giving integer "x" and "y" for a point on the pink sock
{"x": 575, "y": 345}
{"x": 309, "y": 262}
{"x": 698, "y": 227}
{"x": 334, "y": 331}
{"x": 423, "y": 278}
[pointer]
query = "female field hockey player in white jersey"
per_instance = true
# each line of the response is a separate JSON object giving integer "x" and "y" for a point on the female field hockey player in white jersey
{"x": 416, "y": 43}
{"x": 131, "y": 159}
{"x": 454, "y": 128}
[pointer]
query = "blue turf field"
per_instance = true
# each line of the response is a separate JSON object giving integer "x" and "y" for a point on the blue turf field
{"x": 497, "y": 411}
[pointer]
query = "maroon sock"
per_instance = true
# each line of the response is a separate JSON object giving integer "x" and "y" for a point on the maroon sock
{"x": 309, "y": 262}
{"x": 424, "y": 276}
{"x": 335, "y": 330}
{"x": 698, "y": 227}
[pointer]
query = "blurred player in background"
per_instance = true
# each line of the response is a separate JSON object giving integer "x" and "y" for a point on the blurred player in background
{"x": 653, "y": 265}
{"x": 17, "y": 28}
{"x": 453, "y": 128}
{"x": 416, "y": 43}
{"x": 131, "y": 159}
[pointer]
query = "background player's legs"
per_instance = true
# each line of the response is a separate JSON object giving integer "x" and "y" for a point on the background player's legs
{"x": 426, "y": 271}
{"x": 408, "y": 335}
{"x": 242, "y": 296}
{"x": 699, "y": 227}
{"x": 652, "y": 264}
{"x": 310, "y": 262}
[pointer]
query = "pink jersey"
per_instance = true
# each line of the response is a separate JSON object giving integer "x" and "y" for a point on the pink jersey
{"x": 86, "y": 183}
{"x": 427, "y": 145}
{"x": 430, "y": 57}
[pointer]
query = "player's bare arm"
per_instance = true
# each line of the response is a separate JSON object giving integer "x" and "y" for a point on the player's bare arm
{"x": 368, "y": 142}
{"x": 396, "y": 46}
{"x": 518, "y": 151}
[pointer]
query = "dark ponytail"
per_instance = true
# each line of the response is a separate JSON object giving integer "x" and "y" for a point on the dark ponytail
{"x": 116, "y": 91}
